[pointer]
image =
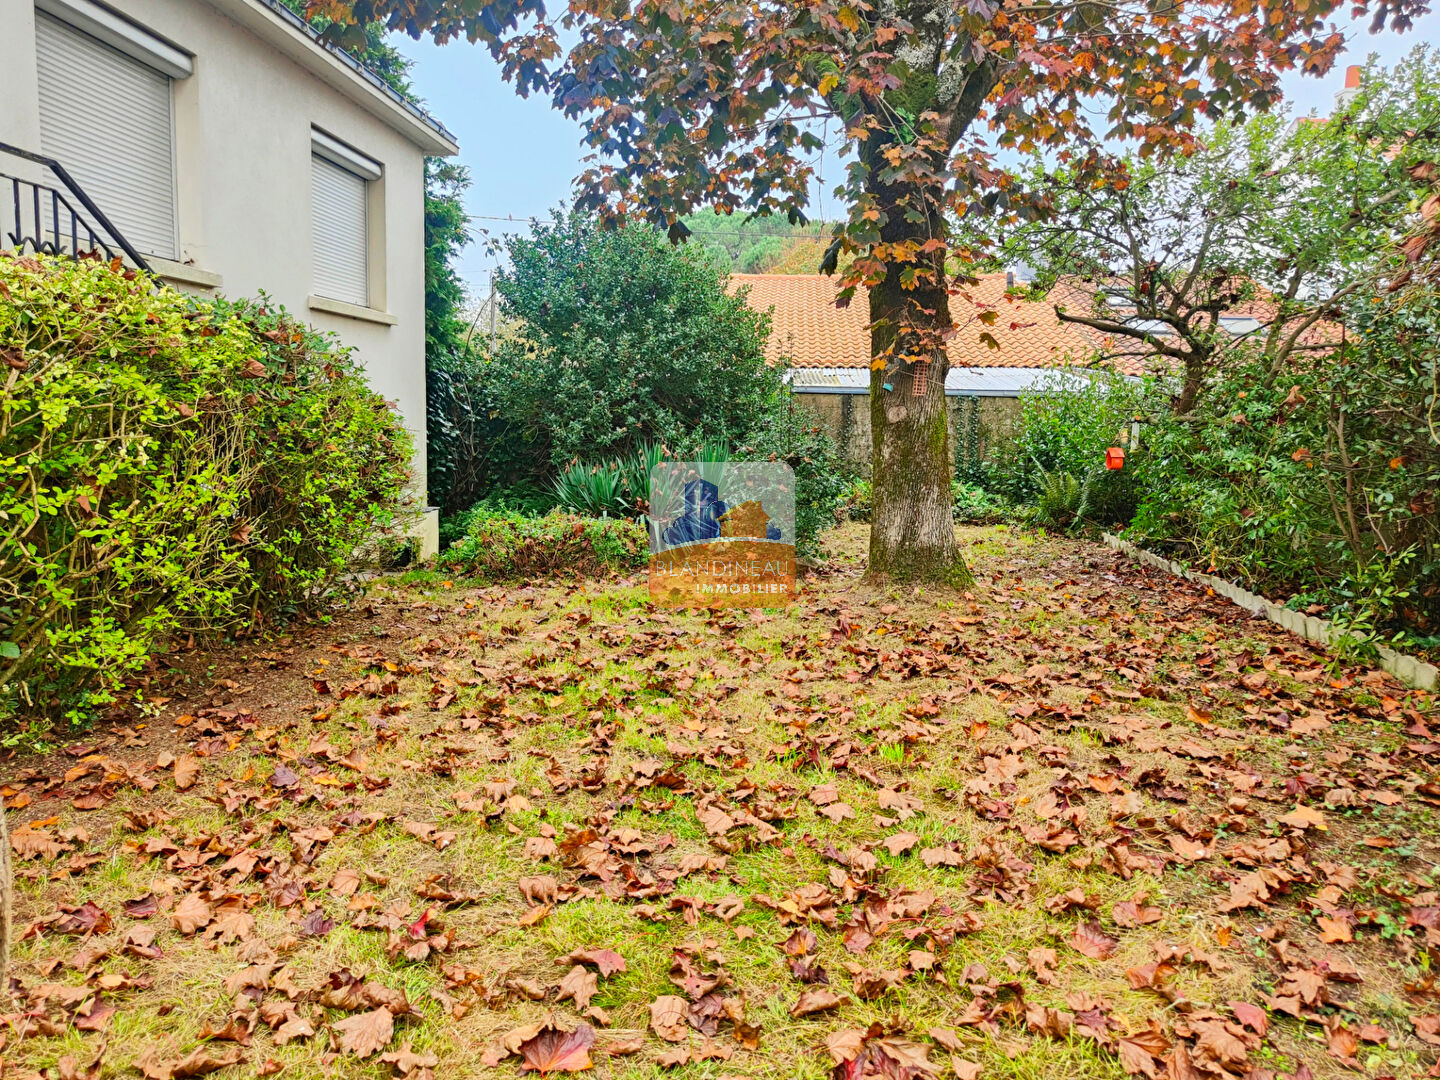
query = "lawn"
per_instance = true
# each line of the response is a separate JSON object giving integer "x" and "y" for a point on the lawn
{"x": 1080, "y": 821}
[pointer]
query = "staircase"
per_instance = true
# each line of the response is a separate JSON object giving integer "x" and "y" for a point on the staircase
{"x": 53, "y": 215}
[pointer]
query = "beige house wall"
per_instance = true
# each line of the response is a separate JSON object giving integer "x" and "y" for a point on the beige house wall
{"x": 846, "y": 419}
{"x": 242, "y": 136}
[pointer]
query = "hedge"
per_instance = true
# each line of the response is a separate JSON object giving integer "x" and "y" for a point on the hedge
{"x": 168, "y": 465}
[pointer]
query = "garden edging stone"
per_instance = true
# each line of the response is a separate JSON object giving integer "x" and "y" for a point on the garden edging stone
{"x": 1408, "y": 669}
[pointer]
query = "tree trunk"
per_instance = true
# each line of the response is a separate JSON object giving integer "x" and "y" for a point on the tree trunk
{"x": 912, "y": 532}
{"x": 1195, "y": 368}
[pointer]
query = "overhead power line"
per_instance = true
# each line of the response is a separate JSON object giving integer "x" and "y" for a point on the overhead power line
{"x": 699, "y": 234}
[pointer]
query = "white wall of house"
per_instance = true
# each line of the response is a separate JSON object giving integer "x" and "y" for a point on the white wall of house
{"x": 259, "y": 100}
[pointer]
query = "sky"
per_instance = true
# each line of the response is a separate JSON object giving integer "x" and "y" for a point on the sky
{"x": 523, "y": 155}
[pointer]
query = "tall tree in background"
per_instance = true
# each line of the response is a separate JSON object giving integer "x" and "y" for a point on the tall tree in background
{"x": 1287, "y": 221}
{"x": 694, "y": 103}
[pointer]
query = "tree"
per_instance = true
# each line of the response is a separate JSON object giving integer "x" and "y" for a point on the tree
{"x": 622, "y": 339}
{"x": 695, "y": 103}
{"x": 1284, "y": 221}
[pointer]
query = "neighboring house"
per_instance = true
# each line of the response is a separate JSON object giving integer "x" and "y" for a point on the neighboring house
{"x": 826, "y": 351}
{"x": 1107, "y": 305}
{"x": 233, "y": 152}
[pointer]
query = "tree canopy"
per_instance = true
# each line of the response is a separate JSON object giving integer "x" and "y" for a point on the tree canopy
{"x": 1287, "y": 220}
{"x": 718, "y": 103}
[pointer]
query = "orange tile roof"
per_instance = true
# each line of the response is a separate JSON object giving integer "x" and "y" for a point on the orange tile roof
{"x": 1083, "y": 296}
{"x": 808, "y": 330}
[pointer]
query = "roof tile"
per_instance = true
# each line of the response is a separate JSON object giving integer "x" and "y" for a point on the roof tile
{"x": 808, "y": 330}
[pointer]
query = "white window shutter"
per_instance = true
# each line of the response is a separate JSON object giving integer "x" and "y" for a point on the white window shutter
{"x": 342, "y": 265}
{"x": 106, "y": 117}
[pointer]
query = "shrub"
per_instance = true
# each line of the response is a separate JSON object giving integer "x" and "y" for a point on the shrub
{"x": 856, "y": 499}
{"x": 620, "y": 487}
{"x": 596, "y": 490}
{"x": 622, "y": 344}
{"x": 1065, "y": 428}
{"x": 502, "y": 544}
{"x": 332, "y": 459}
{"x": 821, "y": 474}
{"x": 1320, "y": 485}
{"x": 167, "y": 465}
{"x": 529, "y": 499}
{"x": 623, "y": 339}
{"x": 971, "y": 504}
{"x": 1059, "y": 498}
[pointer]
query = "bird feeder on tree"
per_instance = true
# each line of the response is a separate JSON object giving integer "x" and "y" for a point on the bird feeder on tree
{"x": 1115, "y": 457}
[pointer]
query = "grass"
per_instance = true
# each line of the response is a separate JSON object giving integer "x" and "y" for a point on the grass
{"x": 1062, "y": 668}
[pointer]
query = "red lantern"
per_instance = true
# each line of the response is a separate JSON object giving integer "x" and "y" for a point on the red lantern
{"x": 1115, "y": 457}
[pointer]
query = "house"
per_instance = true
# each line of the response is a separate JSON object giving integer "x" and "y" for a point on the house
{"x": 826, "y": 351}
{"x": 223, "y": 145}
{"x": 1245, "y": 313}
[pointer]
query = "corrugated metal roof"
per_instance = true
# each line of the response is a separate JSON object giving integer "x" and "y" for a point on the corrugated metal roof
{"x": 959, "y": 382}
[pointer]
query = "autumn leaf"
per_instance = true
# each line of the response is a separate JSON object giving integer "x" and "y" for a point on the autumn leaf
{"x": 190, "y": 914}
{"x": 407, "y": 1061}
{"x": 669, "y": 1017}
{"x": 365, "y": 1033}
{"x": 1091, "y": 940}
{"x": 187, "y": 770}
{"x": 933, "y": 857}
{"x": 607, "y": 961}
{"x": 1042, "y": 963}
{"x": 579, "y": 984}
{"x": 554, "y": 1049}
{"x": 900, "y": 842}
{"x": 1334, "y": 931}
{"x": 811, "y": 1002}
{"x": 1132, "y": 913}
{"x": 1304, "y": 817}
{"x": 1187, "y": 849}
{"x": 199, "y": 1062}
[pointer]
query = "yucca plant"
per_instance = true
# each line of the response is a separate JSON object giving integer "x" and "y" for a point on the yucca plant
{"x": 712, "y": 455}
{"x": 635, "y": 470}
{"x": 592, "y": 489}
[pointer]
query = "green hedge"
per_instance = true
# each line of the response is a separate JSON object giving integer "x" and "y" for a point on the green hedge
{"x": 168, "y": 465}
{"x": 501, "y": 544}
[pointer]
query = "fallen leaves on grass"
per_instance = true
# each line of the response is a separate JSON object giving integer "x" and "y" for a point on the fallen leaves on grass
{"x": 364, "y": 1033}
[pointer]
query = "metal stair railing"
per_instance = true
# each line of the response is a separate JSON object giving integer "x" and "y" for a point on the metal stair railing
{"x": 44, "y": 218}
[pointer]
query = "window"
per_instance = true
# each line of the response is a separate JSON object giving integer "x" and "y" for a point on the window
{"x": 340, "y": 198}
{"x": 106, "y": 117}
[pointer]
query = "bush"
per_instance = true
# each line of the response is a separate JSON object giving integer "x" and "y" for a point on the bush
{"x": 1319, "y": 486}
{"x": 971, "y": 504}
{"x": 528, "y": 499}
{"x": 622, "y": 344}
{"x": 856, "y": 500}
{"x": 1062, "y": 429}
{"x": 821, "y": 474}
{"x": 622, "y": 487}
{"x": 332, "y": 460}
{"x": 1059, "y": 498}
{"x": 624, "y": 339}
{"x": 503, "y": 544}
{"x": 168, "y": 465}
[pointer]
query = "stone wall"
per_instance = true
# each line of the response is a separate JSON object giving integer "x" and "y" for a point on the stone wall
{"x": 846, "y": 418}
